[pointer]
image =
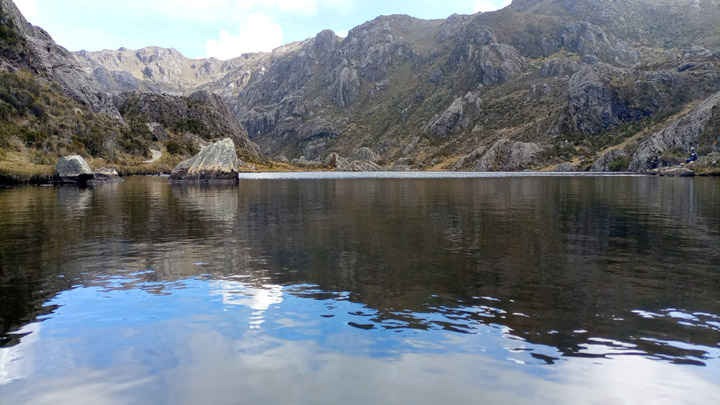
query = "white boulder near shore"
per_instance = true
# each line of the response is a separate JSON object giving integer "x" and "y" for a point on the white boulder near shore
{"x": 75, "y": 170}
{"x": 215, "y": 163}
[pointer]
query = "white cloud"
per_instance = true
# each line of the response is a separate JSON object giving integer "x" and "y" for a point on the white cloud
{"x": 258, "y": 33}
{"x": 490, "y": 5}
{"x": 27, "y": 7}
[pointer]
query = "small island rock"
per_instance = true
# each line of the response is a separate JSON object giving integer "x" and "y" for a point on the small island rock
{"x": 105, "y": 175}
{"x": 217, "y": 162}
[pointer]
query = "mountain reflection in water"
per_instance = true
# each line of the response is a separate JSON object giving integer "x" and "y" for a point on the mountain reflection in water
{"x": 418, "y": 290}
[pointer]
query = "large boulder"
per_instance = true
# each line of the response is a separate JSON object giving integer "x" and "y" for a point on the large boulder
{"x": 73, "y": 169}
{"x": 217, "y": 162}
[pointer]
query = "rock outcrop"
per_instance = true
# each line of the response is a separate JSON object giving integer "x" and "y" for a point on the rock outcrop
{"x": 680, "y": 134}
{"x": 216, "y": 163}
{"x": 73, "y": 169}
{"x": 202, "y": 113}
{"x": 676, "y": 172}
{"x": 602, "y": 164}
{"x": 462, "y": 112}
{"x": 59, "y": 63}
{"x": 363, "y": 160}
{"x": 506, "y": 155}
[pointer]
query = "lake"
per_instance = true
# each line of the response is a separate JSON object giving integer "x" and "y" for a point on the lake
{"x": 345, "y": 289}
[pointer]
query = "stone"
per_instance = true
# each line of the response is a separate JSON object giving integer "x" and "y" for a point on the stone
{"x": 217, "y": 162}
{"x": 602, "y": 164}
{"x": 457, "y": 117}
{"x": 565, "y": 168}
{"x": 105, "y": 175}
{"x": 676, "y": 172}
{"x": 73, "y": 169}
{"x": 509, "y": 156}
{"x": 335, "y": 161}
{"x": 308, "y": 164}
{"x": 365, "y": 153}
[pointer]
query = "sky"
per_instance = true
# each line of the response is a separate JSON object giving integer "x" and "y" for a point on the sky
{"x": 219, "y": 28}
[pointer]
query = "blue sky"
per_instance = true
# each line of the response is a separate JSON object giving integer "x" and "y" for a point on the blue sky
{"x": 219, "y": 28}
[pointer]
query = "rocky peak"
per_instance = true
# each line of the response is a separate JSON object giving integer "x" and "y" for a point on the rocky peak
{"x": 58, "y": 63}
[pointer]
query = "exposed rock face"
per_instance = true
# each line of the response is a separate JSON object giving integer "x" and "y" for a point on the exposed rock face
{"x": 479, "y": 53}
{"x": 150, "y": 69}
{"x": 363, "y": 160}
{"x": 59, "y": 64}
{"x": 565, "y": 168}
{"x": 457, "y": 117}
{"x": 591, "y": 41}
{"x": 603, "y": 163}
{"x": 73, "y": 169}
{"x": 217, "y": 162}
{"x": 559, "y": 67}
{"x": 467, "y": 161}
{"x": 509, "y": 156}
{"x": 365, "y": 153}
{"x": 681, "y": 134}
{"x": 202, "y": 113}
{"x": 310, "y": 164}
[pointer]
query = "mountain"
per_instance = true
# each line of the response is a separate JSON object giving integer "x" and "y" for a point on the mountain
{"x": 50, "y": 107}
{"x": 541, "y": 84}
{"x": 537, "y": 84}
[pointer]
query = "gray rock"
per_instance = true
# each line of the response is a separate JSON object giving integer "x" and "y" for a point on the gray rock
{"x": 346, "y": 87}
{"x": 335, "y": 161}
{"x": 282, "y": 158}
{"x": 60, "y": 64}
{"x": 559, "y": 67}
{"x": 681, "y": 133}
{"x": 355, "y": 164}
{"x": 73, "y": 169}
{"x": 363, "y": 166}
{"x": 467, "y": 161}
{"x": 314, "y": 151}
{"x": 509, "y": 156}
{"x": 217, "y": 162}
{"x": 565, "y": 168}
{"x": 457, "y": 117}
{"x": 309, "y": 164}
{"x": 105, "y": 175}
{"x": 602, "y": 164}
{"x": 365, "y": 153}
{"x": 158, "y": 131}
{"x": 676, "y": 172}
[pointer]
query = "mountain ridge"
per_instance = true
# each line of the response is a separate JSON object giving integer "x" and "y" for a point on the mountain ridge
{"x": 538, "y": 84}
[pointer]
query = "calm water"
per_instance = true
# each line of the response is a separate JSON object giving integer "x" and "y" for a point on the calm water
{"x": 384, "y": 290}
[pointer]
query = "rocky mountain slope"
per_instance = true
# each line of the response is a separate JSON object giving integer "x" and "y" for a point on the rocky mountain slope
{"x": 556, "y": 84}
{"x": 537, "y": 84}
{"x": 50, "y": 107}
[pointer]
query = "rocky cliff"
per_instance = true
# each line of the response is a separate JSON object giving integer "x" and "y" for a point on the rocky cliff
{"x": 563, "y": 80}
{"x": 40, "y": 53}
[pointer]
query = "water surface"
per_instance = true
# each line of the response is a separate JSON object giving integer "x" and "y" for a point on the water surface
{"x": 321, "y": 289}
